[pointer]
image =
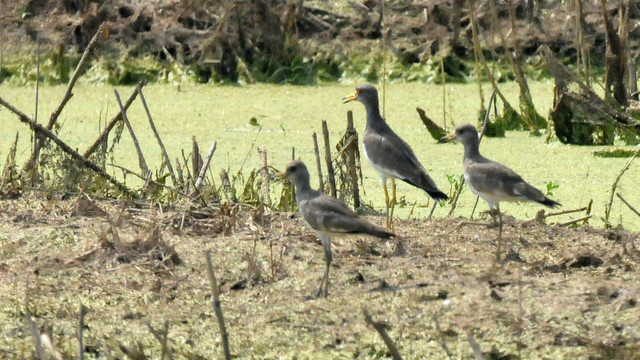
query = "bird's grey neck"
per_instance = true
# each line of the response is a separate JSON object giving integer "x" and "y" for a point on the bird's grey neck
{"x": 302, "y": 187}
{"x": 373, "y": 114}
{"x": 471, "y": 150}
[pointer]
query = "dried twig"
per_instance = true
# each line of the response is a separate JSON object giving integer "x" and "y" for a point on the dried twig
{"x": 67, "y": 96}
{"x": 174, "y": 190}
{"x": 477, "y": 351}
{"x": 163, "y": 340}
{"x": 205, "y": 167}
{"x": 155, "y": 133}
{"x": 143, "y": 164}
{"x": 66, "y": 148}
{"x": 380, "y": 328}
{"x": 35, "y": 334}
{"x": 575, "y": 221}
{"x": 215, "y": 292}
{"x": 327, "y": 158}
{"x": 607, "y": 207}
{"x": 443, "y": 340}
{"x": 627, "y": 203}
{"x": 105, "y": 133}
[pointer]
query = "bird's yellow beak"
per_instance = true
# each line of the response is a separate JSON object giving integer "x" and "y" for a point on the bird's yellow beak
{"x": 281, "y": 175}
{"x": 450, "y": 137}
{"x": 350, "y": 98}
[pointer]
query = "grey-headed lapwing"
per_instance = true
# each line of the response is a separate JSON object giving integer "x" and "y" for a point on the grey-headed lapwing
{"x": 493, "y": 181}
{"x": 391, "y": 156}
{"x": 326, "y": 215}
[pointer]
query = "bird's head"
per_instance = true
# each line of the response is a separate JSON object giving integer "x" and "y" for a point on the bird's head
{"x": 366, "y": 94}
{"x": 296, "y": 172}
{"x": 465, "y": 134}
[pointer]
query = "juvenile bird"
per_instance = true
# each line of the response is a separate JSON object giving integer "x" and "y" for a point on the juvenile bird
{"x": 326, "y": 215}
{"x": 391, "y": 156}
{"x": 493, "y": 181}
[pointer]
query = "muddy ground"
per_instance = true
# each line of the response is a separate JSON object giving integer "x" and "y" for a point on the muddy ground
{"x": 560, "y": 293}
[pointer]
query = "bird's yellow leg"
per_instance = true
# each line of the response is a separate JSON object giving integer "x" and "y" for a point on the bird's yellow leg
{"x": 393, "y": 202}
{"x": 386, "y": 203}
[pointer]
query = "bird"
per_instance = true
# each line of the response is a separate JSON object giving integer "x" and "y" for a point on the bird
{"x": 491, "y": 180}
{"x": 391, "y": 156}
{"x": 326, "y": 215}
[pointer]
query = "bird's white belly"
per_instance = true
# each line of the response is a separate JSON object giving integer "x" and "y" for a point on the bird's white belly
{"x": 384, "y": 173}
{"x": 491, "y": 200}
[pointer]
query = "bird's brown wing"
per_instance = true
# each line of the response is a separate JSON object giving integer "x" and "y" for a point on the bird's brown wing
{"x": 390, "y": 152}
{"x": 325, "y": 213}
{"x": 498, "y": 181}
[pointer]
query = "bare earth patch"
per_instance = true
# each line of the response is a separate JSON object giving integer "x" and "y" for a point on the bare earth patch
{"x": 562, "y": 293}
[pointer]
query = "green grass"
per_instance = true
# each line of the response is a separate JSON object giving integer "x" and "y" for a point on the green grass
{"x": 290, "y": 114}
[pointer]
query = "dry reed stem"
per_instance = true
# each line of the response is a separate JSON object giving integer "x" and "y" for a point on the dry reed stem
{"x": 173, "y": 190}
{"x": 105, "y": 133}
{"x": 67, "y": 96}
{"x": 265, "y": 176}
{"x": 608, "y": 206}
{"x": 66, "y": 148}
{"x": 575, "y": 221}
{"x": 627, "y": 203}
{"x": 141, "y": 161}
{"x": 327, "y": 158}
{"x": 217, "y": 308}
{"x": 205, "y": 167}
{"x": 165, "y": 156}
{"x": 351, "y": 159}
{"x": 380, "y": 328}
{"x": 316, "y": 151}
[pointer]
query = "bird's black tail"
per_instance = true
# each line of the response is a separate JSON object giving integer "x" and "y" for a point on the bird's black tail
{"x": 549, "y": 203}
{"x": 438, "y": 195}
{"x": 379, "y": 232}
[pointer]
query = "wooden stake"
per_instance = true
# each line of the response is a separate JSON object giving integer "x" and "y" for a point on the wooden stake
{"x": 351, "y": 159}
{"x": 318, "y": 162}
{"x": 83, "y": 312}
{"x": 327, "y": 158}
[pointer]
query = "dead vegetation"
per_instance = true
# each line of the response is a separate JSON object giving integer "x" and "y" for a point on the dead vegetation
{"x": 560, "y": 292}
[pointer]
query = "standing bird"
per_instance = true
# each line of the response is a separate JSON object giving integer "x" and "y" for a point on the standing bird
{"x": 326, "y": 215}
{"x": 493, "y": 181}
{"x": 391, "y": 156}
